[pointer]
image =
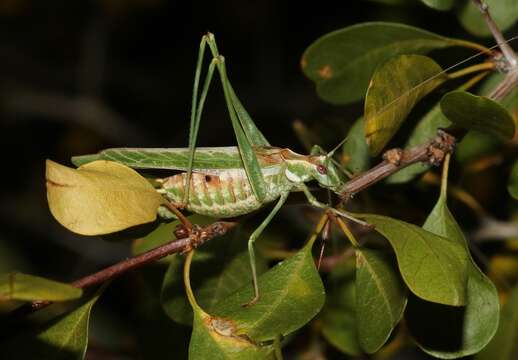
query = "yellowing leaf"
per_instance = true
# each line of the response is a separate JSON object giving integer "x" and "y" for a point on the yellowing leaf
{"x": 100, "y": 197}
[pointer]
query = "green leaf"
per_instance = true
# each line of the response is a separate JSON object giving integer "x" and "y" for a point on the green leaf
{"x": 504, "y": 346}
{"x": 100, "y": 197}
{"x": 503, "y": 12}
{"x": 341, "y": 63}
{"x": 218, "y": 337}
{"x": 512, "y": 185}
{"x": 338, "y": 317}
{"x": 395, "y": 88}
{"x": 442, "y": 5}
{"x": 476, "y": 144}
{"x": 380, "y": 298}
{"x": 433, "y": 267}
{"x": 69, "y": 334}
{"x": 425, "y": 130}
{"x": 18, "y": 286}
{"x": 218, "y": 269}
{"x": 451, "y": 332}
{"x": 355, "y": 149}
{"x": 292, "y": 293}
{"x": 477, "y": 113}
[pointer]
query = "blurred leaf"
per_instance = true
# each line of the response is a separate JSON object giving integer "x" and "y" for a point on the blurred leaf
{"x": 355, "y": 149}
{"x": 68, "y": 335}
{"x": 442, "y": 5}
{"x": 504, "y": 346}
{"x": 219, "y": 337}
{"x": 477, "y": 113}
{"x": 338, "y": 317}
{"x": 18, "y": 286}
{"x": 476, "y": 144}
{"x": 341, "y": 63}
{"x": 380, "y": 298}
{"x": 425, "y": 130}
{"x": 292, "y": 293}
{"x": 433, "y": 267}
{"x": 449, "y": 332}
{"x": 100, "y": 197}
{"x": 503, "y": 12}
{"x": 512, "y": 186}
{"x": 395, "y": 88}
{"x": 218, "y": 269}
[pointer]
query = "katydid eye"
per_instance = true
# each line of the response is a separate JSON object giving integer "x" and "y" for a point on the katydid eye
{"x": 322, "y": 169}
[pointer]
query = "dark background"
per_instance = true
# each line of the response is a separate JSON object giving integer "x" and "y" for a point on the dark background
{"x": 79, "y": 76}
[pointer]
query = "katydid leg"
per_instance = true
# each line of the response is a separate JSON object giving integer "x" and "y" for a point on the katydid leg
{"x": 251, "y": 241}
{"x": 313, "y": 201}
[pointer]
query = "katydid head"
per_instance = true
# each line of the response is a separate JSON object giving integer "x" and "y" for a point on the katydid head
{"x": 326, "y": 173}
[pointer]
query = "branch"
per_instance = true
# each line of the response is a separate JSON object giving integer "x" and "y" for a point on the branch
{"x": 511, "y": 59}
{"x": 198, "y": 237}
{"x": 432, "y": 152}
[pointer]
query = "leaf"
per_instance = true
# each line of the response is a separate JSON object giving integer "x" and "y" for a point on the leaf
{"x": 355, "y": 149}
{"x": 18, "y": 286}
{"x": 338, "y": 317}
{"x": 218, "y": 269}
{"x": 476, "y": 144}
{"x": 216, "y": 336}
{"x": 69, "y": 334}
{"x": 380, "y": 298}
{"x": 100, "y": 197}
{"x": 451, "y": 332}
{"x": 433, "y": 267}
{"x": 477, "y": 113}
{"x": 292, "y": 293}
{"x": 341, "y": 63}
{"x": 395, "y": 88}
{"x": 512, "y": 185}
{"x": 442, "y": 5}
{"x": 426, "y": 129}
{"x": 504, "y": 346}
{"x": 503, "y": 12}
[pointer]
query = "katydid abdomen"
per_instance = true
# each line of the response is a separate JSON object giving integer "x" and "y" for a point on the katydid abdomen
{"x": 223, "y": 193}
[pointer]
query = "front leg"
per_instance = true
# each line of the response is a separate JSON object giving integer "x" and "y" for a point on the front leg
{"x": 313, "y": 201}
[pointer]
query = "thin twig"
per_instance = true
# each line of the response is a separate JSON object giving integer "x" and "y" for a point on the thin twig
{"x": 432, "y": 152}
{"x": 511, "y": 66}
{"x": 196, "y": 239}
{"x": 507, "y": 51}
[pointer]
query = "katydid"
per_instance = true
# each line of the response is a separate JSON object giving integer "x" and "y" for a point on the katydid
{"x": 230, "y": 181}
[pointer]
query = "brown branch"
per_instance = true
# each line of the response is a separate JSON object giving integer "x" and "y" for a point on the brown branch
{"x": 507, "y": 51}
{"x": 198, "y": 237}
{"x": 510, "y": 61}
{"x": 432, "y": 152}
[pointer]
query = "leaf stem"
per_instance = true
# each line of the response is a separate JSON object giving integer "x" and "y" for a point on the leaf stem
{"x": 488, "y": 65}
{"x": 187, "y": 280}
{"x": 444, "y": 178}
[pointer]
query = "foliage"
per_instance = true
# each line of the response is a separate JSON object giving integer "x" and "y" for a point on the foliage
{"x": 389, "y": 269}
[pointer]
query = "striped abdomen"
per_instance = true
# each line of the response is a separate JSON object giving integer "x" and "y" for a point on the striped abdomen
{"x": 225, "y": 194}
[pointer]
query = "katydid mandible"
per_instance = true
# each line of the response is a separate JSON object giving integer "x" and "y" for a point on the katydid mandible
{"x": 227, "y": 182}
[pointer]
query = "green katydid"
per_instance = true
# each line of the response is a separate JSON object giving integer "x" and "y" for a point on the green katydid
{"x": 231, "y": 181}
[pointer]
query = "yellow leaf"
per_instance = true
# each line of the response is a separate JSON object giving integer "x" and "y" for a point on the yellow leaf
{"x": 100, "y": 197}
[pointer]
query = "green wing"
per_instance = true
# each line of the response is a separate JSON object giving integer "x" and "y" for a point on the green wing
{"x": 168, "y": 158}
